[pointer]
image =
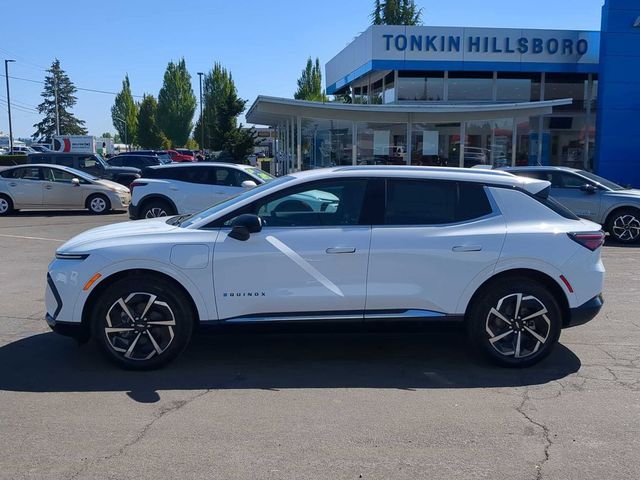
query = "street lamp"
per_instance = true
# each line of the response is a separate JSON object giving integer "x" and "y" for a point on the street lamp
{"x": 201, "y": 117}
{"x": 6, "y": 76}
{"x": 115, "y": 117}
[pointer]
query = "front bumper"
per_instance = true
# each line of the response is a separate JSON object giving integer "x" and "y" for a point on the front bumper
{"x": 68, "y": 329}
{"x": 585, "y": 312}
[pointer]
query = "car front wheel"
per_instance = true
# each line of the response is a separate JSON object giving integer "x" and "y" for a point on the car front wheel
{"x": 142, "y": 322}
{"x": 98, "y": 204}
{"x": 6, "y": 205}
{"x": 515, "y": 322}
{"x": 624, "y": 226}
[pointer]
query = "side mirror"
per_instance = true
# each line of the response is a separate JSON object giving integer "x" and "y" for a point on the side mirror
{"x": 244, "y": 225}
{"x": 248, "y": 184}
{"x": 588, "y": 188}
{"x": 75, "y": 182}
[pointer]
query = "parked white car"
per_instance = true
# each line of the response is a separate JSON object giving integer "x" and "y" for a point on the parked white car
{"x": 484, "y": 247}
{"x": 190, "y": 187}
{"x": 44, "y": 186}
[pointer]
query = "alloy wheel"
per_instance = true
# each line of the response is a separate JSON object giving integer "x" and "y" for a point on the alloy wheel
{"x": 140, "y": 326}
{"x": 155, "y": 212}
{"x": 4, "y": 205}
{"x": 626, "y": 228}
{"x": 98, "y": 204}
{"x": 518, "y": 326}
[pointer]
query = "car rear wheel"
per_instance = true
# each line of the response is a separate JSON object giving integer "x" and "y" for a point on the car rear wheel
{"x": 515, "y": 322}
{"x": 157, "y": 208}
{"x": 98, "y": 204}
{"x": 142, "y": 322}
{"x": 624, "y": 226}
{"x": 6, "y": 205}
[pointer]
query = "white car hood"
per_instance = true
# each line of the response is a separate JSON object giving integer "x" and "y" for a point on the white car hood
{"x": 86, "y": 240}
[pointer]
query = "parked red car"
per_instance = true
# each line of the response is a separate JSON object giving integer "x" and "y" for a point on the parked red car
{"x": 180, "y": 157}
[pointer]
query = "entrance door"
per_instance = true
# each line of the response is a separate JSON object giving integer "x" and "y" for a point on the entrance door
{"x": 308, "y": 262}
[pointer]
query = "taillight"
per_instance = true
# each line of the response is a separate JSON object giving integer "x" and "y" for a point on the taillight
{"x": 591, "y": 240}
{"x": 135, "y": 183}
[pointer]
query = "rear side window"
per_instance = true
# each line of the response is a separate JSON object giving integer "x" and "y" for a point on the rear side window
{"x": 556, "y": 206}
{"x": 425, "y": 202}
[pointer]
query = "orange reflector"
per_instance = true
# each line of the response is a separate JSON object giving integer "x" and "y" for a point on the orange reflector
{"x": 91, "y": 281}
{"x": 566, "y": 282}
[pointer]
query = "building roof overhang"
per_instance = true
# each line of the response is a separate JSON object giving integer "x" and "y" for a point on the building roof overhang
{"x": 275, "y": 111}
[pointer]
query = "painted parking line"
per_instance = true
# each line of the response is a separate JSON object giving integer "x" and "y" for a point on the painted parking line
{"x": 33, "y": 238}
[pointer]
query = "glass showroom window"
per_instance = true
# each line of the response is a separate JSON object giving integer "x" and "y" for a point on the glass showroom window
{"x": 488, "y": 142}
{"x": 326, "y": 143}
{"x": 567, "y": 85}
{"x": 421, "y": 86}
{"x": 382, "y": 143}
{"x": 518, "y": 87}
{"x": 389, "y": 95}
{"x": 376, "y": 92}
{"x": 431, "y": 144}
{"x": 470, "y": 86}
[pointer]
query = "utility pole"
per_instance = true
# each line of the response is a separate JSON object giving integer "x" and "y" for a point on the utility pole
{"x": 201, "y": 117}
{"x": 6, "y": 76}
{"x": 55, "y": 89}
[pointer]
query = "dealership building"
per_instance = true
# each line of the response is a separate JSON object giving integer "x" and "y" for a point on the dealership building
{"x": 458, "y": 96}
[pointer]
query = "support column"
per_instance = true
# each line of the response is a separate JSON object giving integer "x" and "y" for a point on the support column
{"x": 409, "y": 142}
{"x": 299, "y": 142}
{"x": 543, "y": 81}
{"x": 354, "y": 143}
{"x": 463, "y": 137}
{"x": 291, "y": 143}
{"x": 587, "y": 131}
{"x": 514, "y": 141}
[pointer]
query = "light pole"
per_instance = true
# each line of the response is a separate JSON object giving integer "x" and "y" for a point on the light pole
{"x": 115, "y": 117}
{"x": 6, "y": 76}
{"x": 201, "y": 117}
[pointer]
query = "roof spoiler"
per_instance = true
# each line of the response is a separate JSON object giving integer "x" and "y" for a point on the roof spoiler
{"x": 539, "y": 188}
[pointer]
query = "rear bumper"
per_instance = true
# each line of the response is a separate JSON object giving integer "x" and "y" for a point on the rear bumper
{"x": 133, "y": 211}
{"x": 586, "y": 312}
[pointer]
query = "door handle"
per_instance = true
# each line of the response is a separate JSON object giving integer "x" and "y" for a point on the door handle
{"x": 467, "y": 248}
{"x": 48, "y": 187}
{"x": 341, "y": 250}
{"x": 13, "y": 184}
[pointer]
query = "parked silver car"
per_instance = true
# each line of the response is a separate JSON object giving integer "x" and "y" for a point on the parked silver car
{"x": 590, "y": 196}
{"x": 57, "y": 187}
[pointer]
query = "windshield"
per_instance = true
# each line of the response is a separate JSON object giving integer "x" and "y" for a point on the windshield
{"x": 261, "y": 174}
{"x": 196, "y": 217}
{"x": 101, "y": 160}
{"x": 602, "y": 181}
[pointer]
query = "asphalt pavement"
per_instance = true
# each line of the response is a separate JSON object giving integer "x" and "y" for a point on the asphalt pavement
{"x": 325, "y": 403}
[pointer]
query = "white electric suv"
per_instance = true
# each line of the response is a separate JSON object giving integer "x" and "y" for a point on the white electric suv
{"x": 360, "y": 244}
{"x": 189, "y": 187}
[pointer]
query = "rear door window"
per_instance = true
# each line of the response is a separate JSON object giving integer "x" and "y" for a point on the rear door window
{"x": 427, "y": 202}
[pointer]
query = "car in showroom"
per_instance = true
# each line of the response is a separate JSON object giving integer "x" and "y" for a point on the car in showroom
{"x": 90, "y": 163}
{"x": 44, "y": 186}
{"x": 590, "y": 196}
{"x": 189, "y": 188}
{"x": 486, "y": 248}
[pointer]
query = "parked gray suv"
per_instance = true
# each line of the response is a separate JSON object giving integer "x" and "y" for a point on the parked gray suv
{"x": 590, "y": 196}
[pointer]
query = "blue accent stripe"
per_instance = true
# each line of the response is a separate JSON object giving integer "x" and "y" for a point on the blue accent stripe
{"x": 420, "y": 65}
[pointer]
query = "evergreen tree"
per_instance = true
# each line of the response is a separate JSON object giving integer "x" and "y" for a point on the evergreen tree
{"x": 176, "y": 104}
{"x": 396, "y": 12}
{"x": 149, "y": 134}
{"x": 221, "y": 108}
{"x": 69, "y": 124}
{"x": 310, "y": 83}
{"x": 124, "y": 114}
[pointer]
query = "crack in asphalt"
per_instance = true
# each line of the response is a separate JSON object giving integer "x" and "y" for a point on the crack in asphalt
{"x": 170, "y": 408}
{"x": 545, "y": 434}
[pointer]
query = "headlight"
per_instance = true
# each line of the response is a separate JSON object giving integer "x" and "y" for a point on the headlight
{"x": 71, "y": 256}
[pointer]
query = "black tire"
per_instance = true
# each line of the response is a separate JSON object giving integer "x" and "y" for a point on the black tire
{"x": 98, "y": 204}
{"x": 156, "y": 208}
{"x": 134, "y": 349}
{"x": 6, "y": 205}
{"x": 484, "y": 326}
{"x": 624, "y": 225}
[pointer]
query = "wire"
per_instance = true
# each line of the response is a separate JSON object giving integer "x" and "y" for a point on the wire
{"x": 13, "y": 100}
{"x": 77, "y": 88}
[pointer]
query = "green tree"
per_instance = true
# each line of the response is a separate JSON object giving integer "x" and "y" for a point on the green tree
{"x": 106, "y": 135}
{"x": 149, "y": 134}
{"x": 310, "y": 83}
{"x": 69, "y": 124}
{"x": 124, "y": 113}
{"x": 396, "y": 12}
{"x": 176, "y": 104}
{"x": 221, "y": 108}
